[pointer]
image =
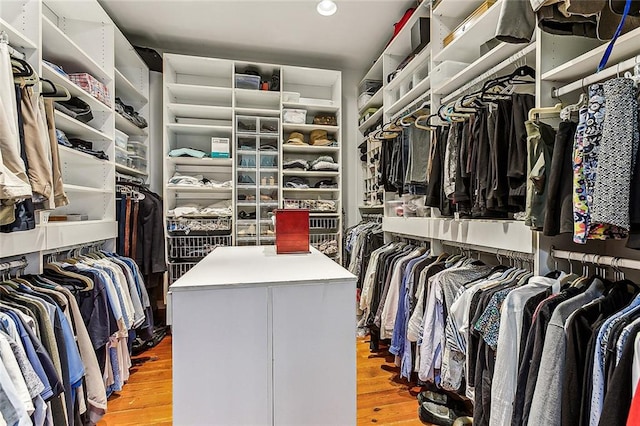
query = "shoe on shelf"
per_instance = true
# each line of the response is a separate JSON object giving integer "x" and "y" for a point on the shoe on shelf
{"x": 440, "y": 415}
{"x": 462, "y": 421}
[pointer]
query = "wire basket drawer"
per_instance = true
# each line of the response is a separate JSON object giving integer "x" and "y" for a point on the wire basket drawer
{"x": 325, "y": 243}
{"x": 323, "y": 223}
{"x": 199, "y": 226}
{"x": 195, "y": 247}
{"x": 176, "y": 270}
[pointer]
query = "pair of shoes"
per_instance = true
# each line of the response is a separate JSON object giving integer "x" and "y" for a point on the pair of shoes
{"x": 439, "y": 409}
{"x": 436, "y": 414}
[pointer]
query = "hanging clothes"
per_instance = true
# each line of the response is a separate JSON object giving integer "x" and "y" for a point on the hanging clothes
{"x": 64, "y": 338}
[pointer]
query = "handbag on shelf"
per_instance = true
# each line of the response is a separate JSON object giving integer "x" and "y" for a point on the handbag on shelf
{"x": 397, "y": 27}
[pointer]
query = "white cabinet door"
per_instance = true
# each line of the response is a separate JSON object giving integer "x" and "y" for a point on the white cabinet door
{"x": 314, "y": 354}
{"x": 221, "y": 368}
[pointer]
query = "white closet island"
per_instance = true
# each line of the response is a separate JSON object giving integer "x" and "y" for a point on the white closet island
{"x": 261, "y": 338}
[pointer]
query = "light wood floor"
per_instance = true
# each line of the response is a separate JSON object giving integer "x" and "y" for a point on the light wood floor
{"x": 383, "y": 399}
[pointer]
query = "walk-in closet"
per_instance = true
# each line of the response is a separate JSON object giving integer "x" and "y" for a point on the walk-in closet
{"x": 320, "y": 212}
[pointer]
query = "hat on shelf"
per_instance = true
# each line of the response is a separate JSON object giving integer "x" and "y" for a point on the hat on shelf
{"x": 296, "y": 138}
{"x": 319, "y": 138}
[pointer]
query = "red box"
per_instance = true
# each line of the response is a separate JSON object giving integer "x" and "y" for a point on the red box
{"x": 292, "y": 231}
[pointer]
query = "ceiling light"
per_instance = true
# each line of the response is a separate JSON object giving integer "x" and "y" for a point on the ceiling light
{"x": 327, "y": 8}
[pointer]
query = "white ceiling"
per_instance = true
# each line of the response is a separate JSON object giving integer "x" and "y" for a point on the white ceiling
{"x": 289, "y": 31}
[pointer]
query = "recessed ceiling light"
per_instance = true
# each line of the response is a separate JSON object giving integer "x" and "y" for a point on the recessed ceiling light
{"x": 327, "y": 8}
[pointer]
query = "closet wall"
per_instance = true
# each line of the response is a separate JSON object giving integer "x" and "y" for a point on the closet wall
{"x": 80, "y": 37}
{"x": 443, "y": 72}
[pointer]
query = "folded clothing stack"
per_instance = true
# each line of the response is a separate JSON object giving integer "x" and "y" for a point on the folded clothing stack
{"x": 313, "y": 205}
{"x": 197, "y": 181}
{"x": 218, "y": 208}
{"x": 127, "y": 112}
{"x": 75, "y": 108}
{"x": 297, "y": 183}
{"x": 328, "y": 247}
{"x": 298, "y": 163}
{"x": 187, "y": 152}
{"x": 79, "y": 145}
{"x": 323, "y": 163}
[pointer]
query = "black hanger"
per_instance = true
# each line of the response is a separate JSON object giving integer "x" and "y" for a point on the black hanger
{"x": 49, "y": 89}
{"x": 509, "y": 79}
{"x": 21, "y": 68}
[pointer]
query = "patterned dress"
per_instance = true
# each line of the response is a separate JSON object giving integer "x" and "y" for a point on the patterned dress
{"x": 585, "y": 167}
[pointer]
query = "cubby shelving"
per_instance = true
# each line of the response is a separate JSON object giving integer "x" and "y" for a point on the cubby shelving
{"x": 202, "y": 101}
{"x": 81, "y": 38}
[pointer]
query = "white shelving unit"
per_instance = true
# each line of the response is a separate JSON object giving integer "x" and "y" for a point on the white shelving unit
{"x": 201, "y": 101}
{"x": 79, "y": 37}
{"x": 565, "y": 67}
{"x": 198, "y": 105}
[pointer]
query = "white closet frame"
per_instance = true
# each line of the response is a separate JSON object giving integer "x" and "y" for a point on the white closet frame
{"x": 81, "y": 37}
{"x": 204, "y": 88}
{"x": 559, "y": 61}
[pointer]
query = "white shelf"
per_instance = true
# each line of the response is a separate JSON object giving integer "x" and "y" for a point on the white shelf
{"x": 74, "y": 89}
{"x": 258, "y": 111}
{"x": 63, "y": 234}
{"x": 285, "y": 189}
{"x": 79, "y": 156}
{"x": 455, "y": 8}
{"x": 497, "y": 234}
{"x": 288, "y": 127}
{"x": 201, "y": 111}
{"x": 198, "y": 129}
{"x": 401, "y": 44}
{"x": 130, "y": 171}
{"x": 87, "y": 189}
{"x": 530, "y": 49}
{"x": 59, "y": 49}
{"x": 128, "y": 127}
{"x": 309, "y": 149}
{"x": 127, "y": 91}
{"x": 371, "y": 120}
{"x": 587, "y": 63}
{"x": 205, "y": 189}
{"x": 206, "y": 95}
{"x": 245, "y": 204}
{"x": 309, "y": 173}
{"x": 248, "y": 95}
{"x": 375, "y": 101}
{"x": 16, "y": 243}
{"x": 422, "y": 58}
{"x": 377, "y": 207}
{"x": 74, "y": 128}
{"x": 311, "y": 108}
{"x": 374, "y": 73}
{"x": 482, "y": 64}
{"x": 465, "y": 47}
{"x": 16, "y": 38}
{"x": 418, "y": 91}
{"x": 206, "y": 161}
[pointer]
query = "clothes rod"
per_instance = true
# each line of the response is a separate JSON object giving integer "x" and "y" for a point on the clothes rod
{"x": 605, "y": 74}
{"x": 595, "y": 259}
{"x": 425, "y": 98}
{"x": 89, "y": 244}
{"x": 491, "y": 250}
{"x": 492, "y": 72}
{"x": 21, "y": 263}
